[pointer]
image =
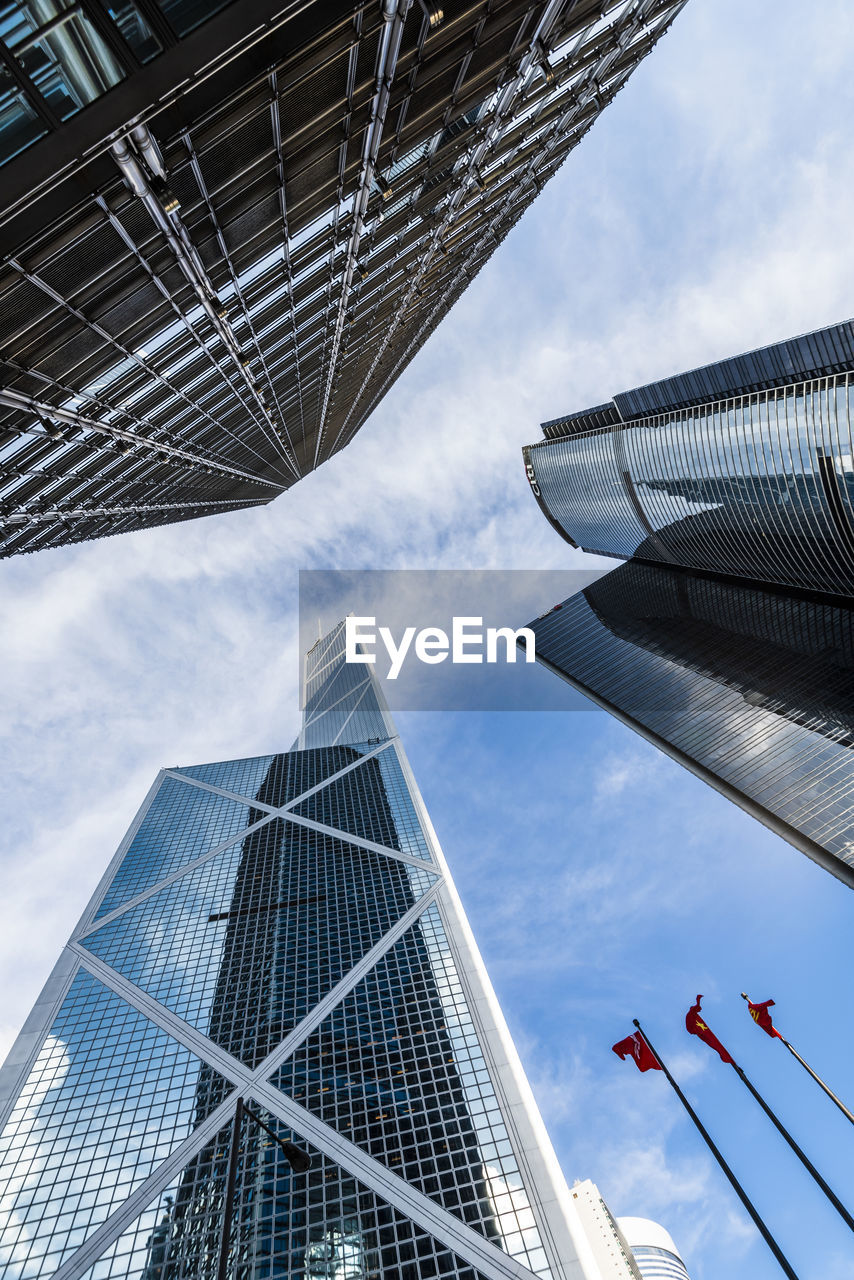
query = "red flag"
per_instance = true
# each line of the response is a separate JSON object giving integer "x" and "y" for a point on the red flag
{"x": 636, "y": 1047}
{"x": 697, "y": 1027}
{"x": 760, "y": 1015}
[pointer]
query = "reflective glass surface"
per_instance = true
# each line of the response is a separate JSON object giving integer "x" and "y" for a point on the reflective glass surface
{"x": 243, "y": 777}
{"x": 344, "y": 710}
{"x": 328, "y": 275}
{"x": 371, "y": 801}
{"x": 320, "y": 1225}
{"x": 251, "y": 930}
{"x": 61, "y": 52}
{"x": 135, "y": 29}
{"x": 109, "y": 1096}
{"x": 397, "y": 1068}
{"x": 182, "y": 823}
{"x": 755, "y": 686}
{"x": 758, "y": 486}
{"x": 186, "y": 15}
{"x": 19, "y": 121}
{"x": 244, "y": 946}
{"x": 659, "y": 1264}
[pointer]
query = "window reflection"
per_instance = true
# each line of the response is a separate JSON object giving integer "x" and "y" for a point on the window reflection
{"x": 62, "y": 53}
{"x": 754, "y": 686}
{"x": 761, "y": 486}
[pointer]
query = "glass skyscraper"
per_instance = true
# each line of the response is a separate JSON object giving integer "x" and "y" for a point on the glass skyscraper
{"x": 227, "y": 226}
{"x": 743, "y": 468}
{"x": 727, "y": 636}
{"x": 282, "y": 930}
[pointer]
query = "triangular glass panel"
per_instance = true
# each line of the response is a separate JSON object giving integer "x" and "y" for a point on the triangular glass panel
{"x": 307, "y": 769}
{"x": 243, "y": 777}
{"x": 276, "y": 780}
{"x": 245, "y": 945}
{"x": 319, "y": 1224}
{"x": 397, "y": 1069}
{"x": 109, "y": 1096}
{"x": 326, "y": 669}
{"x": 167, "y": 1240}
{"x": 344, "y": 708}
{"x": 372, "y": 801}
{"x": 181, "y": 823}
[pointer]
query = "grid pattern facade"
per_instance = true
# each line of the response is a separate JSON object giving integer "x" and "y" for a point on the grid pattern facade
{"x": 750, "y": 688}
{"x": 109, "y": 1096}
{"x": 324, "y": 1225}
{"x": 758, "y": 485}
{"x": 659, "y": 1264}
{"x": 217, "y": 300}
{"x": 268, "y": 931}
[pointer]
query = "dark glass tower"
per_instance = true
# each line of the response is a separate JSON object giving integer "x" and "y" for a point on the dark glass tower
{"x": 283, "y": 930}
{"x": 227, "y": 227}
{"x": 752, "y": 690}
{"x": 727, "y": 638}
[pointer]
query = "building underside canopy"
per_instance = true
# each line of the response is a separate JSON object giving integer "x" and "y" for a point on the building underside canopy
{"x": 233, "y": 241}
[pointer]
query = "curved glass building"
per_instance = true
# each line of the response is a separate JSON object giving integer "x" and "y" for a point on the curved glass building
{"x": 727, "y": 636}
{"x": 743, "y": 468}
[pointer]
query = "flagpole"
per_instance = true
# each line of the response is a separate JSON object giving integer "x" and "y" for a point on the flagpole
{"x": 804, "y": 1159}
{"x": 733, "y": 1181}
{"x": 841, "y": 1105}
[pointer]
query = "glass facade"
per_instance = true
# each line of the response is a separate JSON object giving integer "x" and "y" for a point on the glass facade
{"x": 215, "y": 302}
{"x": 659, "y": 1264}
{"x": 757, "y": 484}
{"x": 750, "y": 688}
{"x": 726, "y": 638}
{"x": 281, "y": 930}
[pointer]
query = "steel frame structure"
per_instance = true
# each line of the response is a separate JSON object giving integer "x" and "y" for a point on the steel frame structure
{"x": 562, "y": 1238}
{"x": 256, "y": 233}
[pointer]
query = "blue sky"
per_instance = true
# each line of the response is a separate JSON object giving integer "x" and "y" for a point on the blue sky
{"x": 708, "y": 211}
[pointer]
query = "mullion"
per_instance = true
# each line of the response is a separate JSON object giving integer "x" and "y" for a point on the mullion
{"x": 32, "y": 94}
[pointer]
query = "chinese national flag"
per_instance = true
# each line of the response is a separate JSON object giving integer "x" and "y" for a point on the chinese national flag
{"x": 760, "y": 1015}
{"x": 695, "y": 1024}
{"x": 636, "y": 1047}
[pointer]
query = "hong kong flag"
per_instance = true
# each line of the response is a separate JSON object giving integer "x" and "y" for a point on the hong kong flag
{"x": 695, "y": 1024}
{"x": 636, "y": 1047}
{"x": 760, "y": 1015}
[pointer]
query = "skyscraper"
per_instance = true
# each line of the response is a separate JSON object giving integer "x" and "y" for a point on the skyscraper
{"x": 610, "y": 1247}
{"x": 228, "y": 227}
{"x": 626, "y": 1247}
{"x": 727, "y": 637}
{"x": 283, "y": 930}
{"x": 743, "y": 468}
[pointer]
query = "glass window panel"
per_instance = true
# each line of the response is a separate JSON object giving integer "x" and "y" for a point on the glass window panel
{"x": 186, "y": 15}
{"x": 760, "y": 485}
{"x": 62, "y": 53}
{"x": 110, "y": 1095}
{"x": 182, "y": 823}
{"x": 245, "y": 945}
{"x": 20, "y": 125}
{"x": 321, "y": 1225}
{"x": 755, "y": 686}
{"x": 135, "y": 29}
{"x": 397, "y": 1068}
{"x": 372, "y": 801}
